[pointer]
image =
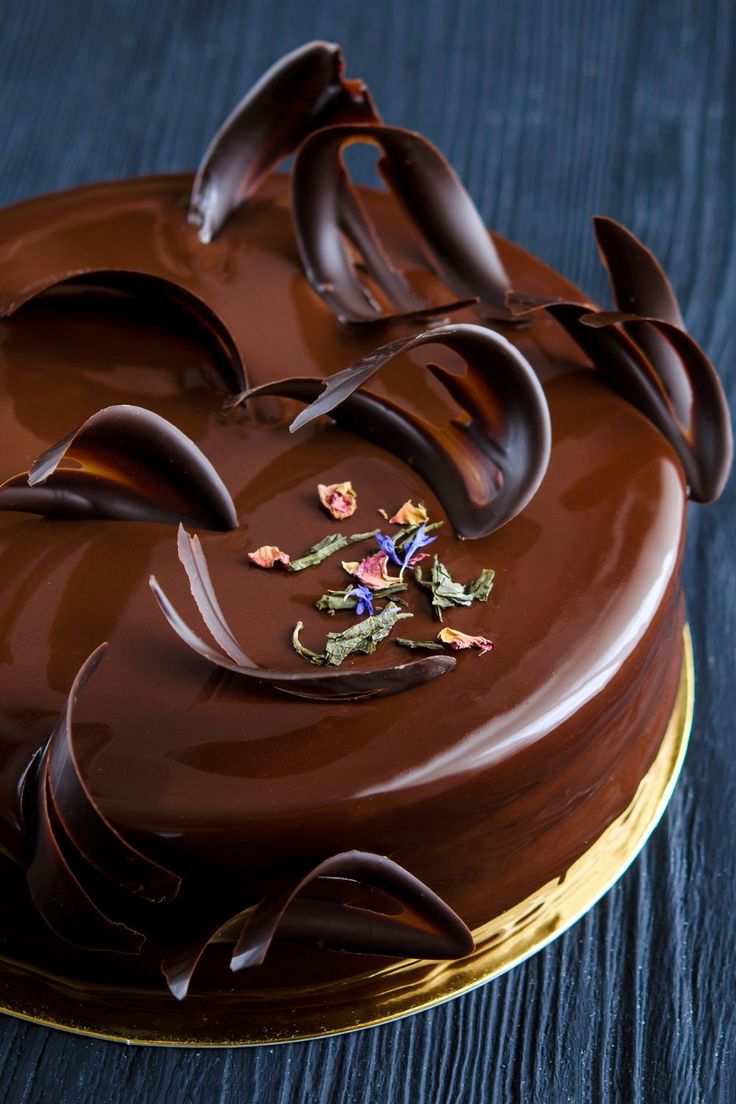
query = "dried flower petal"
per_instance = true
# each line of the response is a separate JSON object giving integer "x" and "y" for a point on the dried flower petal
{"x": 459, "y": 640}
{"x": 268, "y": 555}
{"x": 339, "y": 499}
{"x": 372, "y": 571}
{"x": 409, "y": 514}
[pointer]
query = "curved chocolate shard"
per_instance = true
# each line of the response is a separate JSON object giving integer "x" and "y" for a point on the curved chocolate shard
{"x": 58, "y": 894}
{"x": 426, "y": 927}
{"x": 129, "y": 464}
{"x": 640, "y": 287}
{"x": 484, "y": 469}
{"x": 432, "y": 197}
{"x": 707, "y": 435}
{"x": 316, "y": 684}
{"x": 303, "y": 91}
{"x": 199, "y": 314}
{"x": 681, "y": 394}
{"x": 91, "y": 833}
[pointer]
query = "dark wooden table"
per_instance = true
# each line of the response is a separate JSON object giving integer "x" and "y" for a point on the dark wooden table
{"x": 551, "y": 110}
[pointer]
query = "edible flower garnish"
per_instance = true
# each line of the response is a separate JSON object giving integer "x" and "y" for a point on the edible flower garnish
{"x": 268, "y": 555}
{"x": 372, "y": 571}
{"x": 348, "y": 599}
{"x": 339, "y": 499}
{"x": 365, "y": 636}
{"x": 447, "y": 593}
{"x": 409, "y": 514}
{"x": 408, "y": 554}
{"x": 364, "y": 599}
{"x": 320, "y": 551}
{"x": 459, "y": 640}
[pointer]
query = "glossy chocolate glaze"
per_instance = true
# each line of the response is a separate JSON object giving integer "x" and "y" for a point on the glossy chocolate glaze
{"x": 484, "y": 783}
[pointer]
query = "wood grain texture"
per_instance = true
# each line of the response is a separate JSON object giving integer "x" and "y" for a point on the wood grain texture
{"x": 551, "y": 110}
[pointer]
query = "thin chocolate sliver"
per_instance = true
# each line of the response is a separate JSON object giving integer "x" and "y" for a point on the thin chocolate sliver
{"x": 433, "y": 200}
{"x": 484, "y": 469}
{"x": 426, "y": 927}
{"x": 303, "y": 91}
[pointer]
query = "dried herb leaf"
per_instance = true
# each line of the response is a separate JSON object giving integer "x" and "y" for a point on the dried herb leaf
{"x": 419, "y": 645}
{"x": 480, "y": 588}
{"x": 347, "y": 599}
{"x": 446, "y": 593}
{"x": 317, "y": 658}
{"x": 326, "y": 547}
{"x": 362, "y": 637}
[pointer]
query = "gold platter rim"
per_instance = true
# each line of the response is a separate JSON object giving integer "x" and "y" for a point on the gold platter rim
{"x": 530, "y": 926}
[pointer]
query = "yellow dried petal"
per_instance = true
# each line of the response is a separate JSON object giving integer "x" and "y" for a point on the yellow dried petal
{"x": 409, "y": 514}
{"x": 460, "y": 640}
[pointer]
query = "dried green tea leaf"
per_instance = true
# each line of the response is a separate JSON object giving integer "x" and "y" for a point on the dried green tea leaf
{"x": 480, "y": 588}
{"x": 317, "y": 658}
{"x": 326, "y": 547}
{"x": 419, "y": 645}
{"x": 363, "y": 637}
{"x": 446, "y": 593}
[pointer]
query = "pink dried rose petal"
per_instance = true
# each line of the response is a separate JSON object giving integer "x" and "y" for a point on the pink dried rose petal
{"x": 460, "y": 640}
{"x": 409, "y": 514}
{"x": 372, "y": 571}
{"x": 339, "y": 499}
{"x": 417, "y": 558}
{"x": 268, "y": 555}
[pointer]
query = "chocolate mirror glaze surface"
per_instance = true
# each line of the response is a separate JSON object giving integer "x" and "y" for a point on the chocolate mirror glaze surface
{"x": 484, "y": 783}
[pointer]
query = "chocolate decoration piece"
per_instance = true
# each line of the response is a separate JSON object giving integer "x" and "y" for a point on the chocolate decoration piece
{"x": 432, "y": 198}
{"x": 342, "y": 684}
{"x": 303, "y": 91}
{"x": 93, "y": 836}
{"x": 484, "y": 469}
{"x": 58, "y": 894}
{"x": 75, "y": 273}
{"x": 619, "y": 345}
{"x": 426, "y": 928}
{"x": 640, "y": 287}
{"x": 129, "y": 464}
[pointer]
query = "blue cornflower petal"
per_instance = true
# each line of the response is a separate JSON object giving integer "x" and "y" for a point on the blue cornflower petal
{"x": 386, "y": 544}
{"x": 419, "y": 540}
{"x": 365, "y": 599}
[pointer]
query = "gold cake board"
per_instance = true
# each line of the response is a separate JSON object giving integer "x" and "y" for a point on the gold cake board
{"x": 388, "y": 994}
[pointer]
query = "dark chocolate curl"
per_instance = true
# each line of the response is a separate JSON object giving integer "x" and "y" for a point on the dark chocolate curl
{"x": 92, "y": 834}
{"x": 129, "y": 464}
{"x": 434, "y": 201}
{"x": 705, "y": 442}
{"x": 303, "y": 91}
{"x": 317, "y": 684}
{"x": 640, "y": 287}
{"x": 484, "y": 469}
{"x": 426, "y": 927}
{"x": 613, "y": 340}
{"x": 60, "y": 897}
{"x": 193, "y": 312}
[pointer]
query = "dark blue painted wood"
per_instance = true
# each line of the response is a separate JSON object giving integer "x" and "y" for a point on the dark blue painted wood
{"x": 551, "y": 110}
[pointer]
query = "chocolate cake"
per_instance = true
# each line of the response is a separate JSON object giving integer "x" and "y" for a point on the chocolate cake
{"x": 253, "y": 420}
